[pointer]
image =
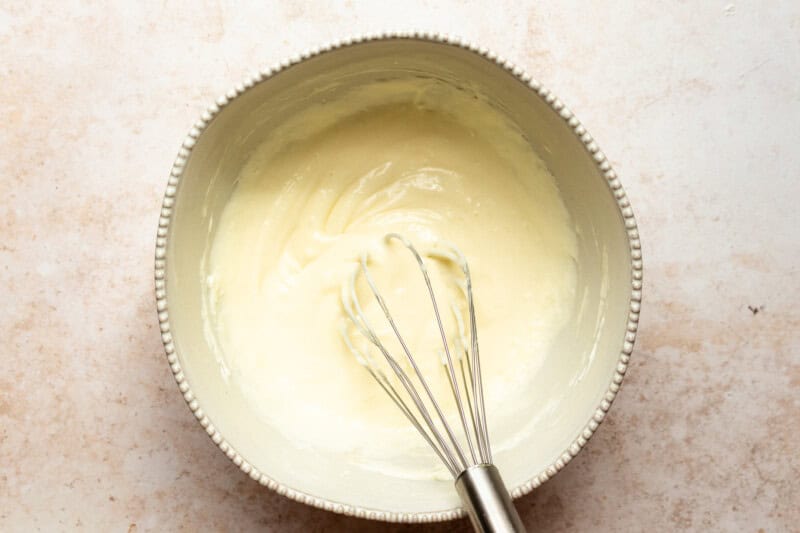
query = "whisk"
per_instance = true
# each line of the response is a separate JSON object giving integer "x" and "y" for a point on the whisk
{"x": 477, "y": 480}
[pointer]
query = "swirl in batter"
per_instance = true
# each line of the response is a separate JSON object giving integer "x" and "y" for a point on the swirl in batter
{"x": 307, "y": 205}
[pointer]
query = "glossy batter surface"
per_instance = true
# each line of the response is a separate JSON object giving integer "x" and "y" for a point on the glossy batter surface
{"x": 306, "y": 206}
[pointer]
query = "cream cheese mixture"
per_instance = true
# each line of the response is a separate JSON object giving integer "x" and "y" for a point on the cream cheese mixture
{"x": 430, "y": 164}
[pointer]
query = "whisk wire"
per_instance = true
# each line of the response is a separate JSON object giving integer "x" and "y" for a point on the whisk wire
{"x": 452, "y": 253}
{"x": 459, "y": 452}
{"x": 477, "y": 382}
{"x": 466, "y": 370}
{"x": 387, "y": 387}
{"x": 356, "y": 315}
{"x": 451, "y": 374}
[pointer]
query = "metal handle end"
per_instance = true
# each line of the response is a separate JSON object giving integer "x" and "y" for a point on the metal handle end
{"x": 487, "y": 501}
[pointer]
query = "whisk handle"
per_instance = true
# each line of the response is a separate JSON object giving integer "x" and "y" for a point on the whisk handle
{"x": 487, "y": 501}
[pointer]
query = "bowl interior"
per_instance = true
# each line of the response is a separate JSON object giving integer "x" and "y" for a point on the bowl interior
{"x": 578, "y": 371}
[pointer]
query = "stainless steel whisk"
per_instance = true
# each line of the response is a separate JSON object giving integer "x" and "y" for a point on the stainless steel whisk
{"x": 477, "y": 480}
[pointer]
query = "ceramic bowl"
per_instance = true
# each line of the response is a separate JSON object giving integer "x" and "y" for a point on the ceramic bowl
{"x": 578, "y": 383}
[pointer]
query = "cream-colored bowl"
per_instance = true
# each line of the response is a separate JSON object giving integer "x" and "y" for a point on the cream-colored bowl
{"x": 581, "y": 376}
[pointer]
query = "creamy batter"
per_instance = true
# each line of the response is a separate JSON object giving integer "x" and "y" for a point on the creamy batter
{"x": 331, "y": 183}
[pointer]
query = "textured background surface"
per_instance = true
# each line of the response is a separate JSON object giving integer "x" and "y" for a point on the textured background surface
{"x": 698, "y": 107}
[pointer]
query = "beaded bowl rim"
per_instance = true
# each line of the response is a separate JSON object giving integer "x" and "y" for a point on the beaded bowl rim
{"x": 612, "y": 182}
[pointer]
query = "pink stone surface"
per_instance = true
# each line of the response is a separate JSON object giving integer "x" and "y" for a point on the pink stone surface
{"x": 697, "y": 104}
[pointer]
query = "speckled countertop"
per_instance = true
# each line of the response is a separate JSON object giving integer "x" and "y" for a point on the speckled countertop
{"x": 698, "y": 107}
